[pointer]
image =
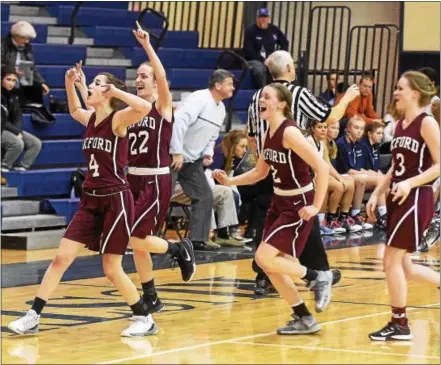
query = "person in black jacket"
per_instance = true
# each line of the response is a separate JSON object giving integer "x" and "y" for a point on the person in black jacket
{"x": 14, "y": 139}
{"x": 262, "y": 39}
{"x": 15, "y": 48}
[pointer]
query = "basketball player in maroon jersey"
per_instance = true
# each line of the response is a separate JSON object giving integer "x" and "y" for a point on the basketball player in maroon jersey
{"x": 150, "y": 178}
{"x": 415, "y": 165}
{"x": 294, "y": 203}
{"x": 105, "y": 216}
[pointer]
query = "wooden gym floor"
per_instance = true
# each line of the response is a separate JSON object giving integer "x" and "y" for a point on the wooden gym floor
{"x": 215, "y": 318}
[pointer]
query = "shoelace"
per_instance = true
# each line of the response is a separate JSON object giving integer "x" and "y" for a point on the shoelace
{"x": 28, "y": 319}
{"x": 351, "y": 221}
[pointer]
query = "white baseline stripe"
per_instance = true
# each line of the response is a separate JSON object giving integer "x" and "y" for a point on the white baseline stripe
{"x": 186, "y": 348}
{"x": 335, "y": 350}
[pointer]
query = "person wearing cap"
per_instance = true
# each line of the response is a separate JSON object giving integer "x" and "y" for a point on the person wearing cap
{"x": 262, "y": 39}
{"x": 16, "y": 48}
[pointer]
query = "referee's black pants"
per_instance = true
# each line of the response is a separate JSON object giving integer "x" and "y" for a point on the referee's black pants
{"x": 314, "y": 256}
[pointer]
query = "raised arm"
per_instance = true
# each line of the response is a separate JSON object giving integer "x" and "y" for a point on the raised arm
{"x": 81, "y": 84}
{"x": 76, "y": 111}
{"x": 164, "y": 103}
{"x": 338, "y": 111}
{"x": 136, "y": 110}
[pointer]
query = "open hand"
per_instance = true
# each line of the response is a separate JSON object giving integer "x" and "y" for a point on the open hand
{"x": 71, "y": 75}
{"x": 221, "y": 177}
{"x": 80, "y": 81}
{"x": 352, "y": 92}
{"x": 401, "y": 190}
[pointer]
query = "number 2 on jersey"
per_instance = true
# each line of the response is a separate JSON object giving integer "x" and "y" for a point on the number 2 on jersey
{"x": 275, "y": 178}
{"x": 93, "y": 166}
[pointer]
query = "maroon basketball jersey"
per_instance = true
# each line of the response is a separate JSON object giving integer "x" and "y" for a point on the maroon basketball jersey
{"x": 149, "y": 141}
{"x": 106, "y": 155}
{"x": 410, "y": 154}
{"x": 289, "y": 170}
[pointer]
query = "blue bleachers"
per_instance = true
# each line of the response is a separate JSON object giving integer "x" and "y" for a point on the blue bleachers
{"x": 49, "y": 182}
{"x": 5, "y": 14}
{"x": 58, "y": 54}
{"x": 243, "y": 115}
{"x": 175, "y": 57}
{"x": 54, "y": 75}
{"x": 91, "y": 16}
{"x": 242, "y": 100}
{"x": 65, "y": 207}
{"x": 90, "y": 4}
{"x": 196, "y": 79}
{"x": 40, "y": 29}
{"x": 61, "y": 152}
{"x": 64, "y": 127}
{"x": 112, "y": 36}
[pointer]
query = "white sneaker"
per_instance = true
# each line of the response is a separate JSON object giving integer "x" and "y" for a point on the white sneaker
{"x": 141, "y": 326}
{"x": 28, "y": 324}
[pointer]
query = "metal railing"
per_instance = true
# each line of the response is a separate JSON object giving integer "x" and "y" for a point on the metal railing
{"x": 159, "y": 38}
{"x": 238, "y": 83}
{"x": 326, "y": 43}
{"x": 371, "y": 48}
{"x": 73, "y": 21}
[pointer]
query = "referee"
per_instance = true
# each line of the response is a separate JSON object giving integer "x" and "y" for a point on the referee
{"x": 304, "y": 107}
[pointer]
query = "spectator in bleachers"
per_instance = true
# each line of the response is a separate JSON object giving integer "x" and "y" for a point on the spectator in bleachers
{"x": 262, "y": 39}
{"x": 256, "y": 198}
{"x": 196, "y": 128}
{"x": 433, "y": 77}
{"x": 363, "y": 105}
{"x": 371, "y": 143}
{"x": 330, "y": 93}
{"x": 14, "y": 139}
{"x": 16, "y": 52}
{"x": 340, "y": 189}
{"x": 350, "y": 160}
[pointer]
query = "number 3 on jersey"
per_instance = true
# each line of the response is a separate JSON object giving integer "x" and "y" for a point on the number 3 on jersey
{"x": 93, "y": 166}
{"x": 400, "y": 162}
{"x": 133, "y": 137}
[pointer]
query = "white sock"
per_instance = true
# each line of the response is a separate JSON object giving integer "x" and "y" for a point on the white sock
{"x": 381, "y": 209}
{"x": 321, "y": 217}
{"x": 354, "y": 212}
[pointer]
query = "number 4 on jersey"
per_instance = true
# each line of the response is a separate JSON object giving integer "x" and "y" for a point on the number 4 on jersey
{"x": 93, "y": 166}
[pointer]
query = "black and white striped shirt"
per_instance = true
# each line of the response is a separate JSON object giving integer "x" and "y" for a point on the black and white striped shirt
{"x": 305, "y": 106}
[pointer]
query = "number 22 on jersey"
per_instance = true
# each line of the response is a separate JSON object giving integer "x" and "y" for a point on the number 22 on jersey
{"x": 143, "y": 136}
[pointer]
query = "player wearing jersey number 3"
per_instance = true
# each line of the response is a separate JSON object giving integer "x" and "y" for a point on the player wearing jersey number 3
{"x": 415, "y": 165}
{"x": 289, "y": 220}
{"x": 105, "y": 216}
{"x": 150, "y": 178}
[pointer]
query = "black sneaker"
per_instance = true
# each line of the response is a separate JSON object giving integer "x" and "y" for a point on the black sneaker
{"x": 382, "y": 221}
{"x": 263, "y": 286}
{"x": 336, "y": 276}
{"x": 391, "y": 332}
{"x": 186, "y": 260}
{"x": 153, "y": 303}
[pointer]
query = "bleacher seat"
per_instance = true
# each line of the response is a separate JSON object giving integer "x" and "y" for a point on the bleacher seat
{"x": 112, "y": 36}
{"x": 61, "y": 152}
{"x": 48, "y": 182}
{"x": 40, "y": 29}
{"x": 54, "y": 75}
{"x": 87, "y": 16}
{"x": 64, "y": 127}
{"x": 5, "y": 14}
{"x": 90, "y": 4}
{"x": 58, "y": 54}
{"x": 65, "y": 207}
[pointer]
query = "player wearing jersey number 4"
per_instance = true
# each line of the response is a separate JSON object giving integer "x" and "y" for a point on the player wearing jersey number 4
{"x": 149, "y": 176}
{"x": 415, "y": 165}
{"x": 105, "y": 216}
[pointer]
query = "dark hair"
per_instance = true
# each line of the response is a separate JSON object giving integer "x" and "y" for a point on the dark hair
{"x": 283, "y": 94}
{"x": 8, "y": 70}
{"x": 341, "y": 87}
{"x": 367, "y": 76}
{"x": 219, "y": 76}
{"x": 115, "y": 103}
{"x": 331, "y": 72}
{"x": 430, "y": 73}
{"x": 372, "y": 127}
{"x": 421, "y": 83}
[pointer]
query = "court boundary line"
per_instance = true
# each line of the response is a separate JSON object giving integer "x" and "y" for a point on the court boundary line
{"x": 232, "y": 340}
{"x": 314, "y": 348}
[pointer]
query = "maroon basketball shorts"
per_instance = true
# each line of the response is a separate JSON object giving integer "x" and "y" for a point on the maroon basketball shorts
{"x": 284, "y": 229}
{"x": 103, "y": 221}
{"x": 152, "y": 195}
{"x": 407, "y": 222}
